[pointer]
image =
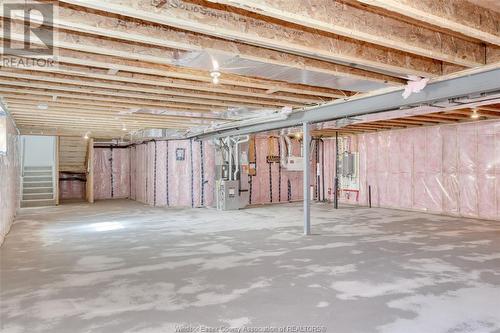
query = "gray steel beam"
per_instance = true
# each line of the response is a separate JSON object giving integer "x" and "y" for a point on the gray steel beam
{"x": 306, "y": 139}
{"x": 472, "y": 82}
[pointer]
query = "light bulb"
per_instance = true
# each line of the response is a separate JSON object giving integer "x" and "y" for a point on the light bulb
{"x": 474, "y": 114}
{"x": 215, "y": 77}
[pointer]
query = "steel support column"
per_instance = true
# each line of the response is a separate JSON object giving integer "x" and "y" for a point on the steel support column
{"x": 307, "y": 175}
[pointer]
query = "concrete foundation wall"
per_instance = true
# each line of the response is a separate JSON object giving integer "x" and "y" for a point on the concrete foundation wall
{"x": 10, "y": 176}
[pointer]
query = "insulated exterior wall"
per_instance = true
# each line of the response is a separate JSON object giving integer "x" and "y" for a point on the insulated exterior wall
{"x": 10, "y": 175}
{"x": 329, "y": 152}
{"x": 270, "y": 174}
{"x": 161, "y": 179}
{"x": 447, "y": 169}
{"x": 111, "y": 173}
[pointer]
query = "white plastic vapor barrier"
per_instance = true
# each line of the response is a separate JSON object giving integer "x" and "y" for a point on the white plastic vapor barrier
{"x": 237, "y": 65}
{"x": 446, "y": 169}
{"x": 10, "y": 175}
{"x": 176, "y": 173}
{"x": 111, "y": 173}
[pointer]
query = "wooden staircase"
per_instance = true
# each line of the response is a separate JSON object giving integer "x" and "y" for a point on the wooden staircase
{"x": 72, "y": 154}
{"x": 38, "y": 187}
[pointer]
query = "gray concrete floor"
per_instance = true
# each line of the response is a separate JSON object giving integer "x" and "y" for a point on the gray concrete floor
{"x": 124, "y": 267}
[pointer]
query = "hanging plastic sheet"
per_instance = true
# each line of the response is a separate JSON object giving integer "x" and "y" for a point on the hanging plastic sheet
{"x": 121, "y": 173}
{"x": 209, "y": 173}
{"x": 168, "y": 173}
{"x": 102, "y": 173}
{"x": 161, "y": 173}
{"x": 111, "y": 173}
{"x": 151, "y": 161}
{"x": 447, "y": 169}
{"x": 180, "y": 173}
{"x": 486, "y": 168}
{"x": 267, "y": 179}
{"x": 10, "y": 167}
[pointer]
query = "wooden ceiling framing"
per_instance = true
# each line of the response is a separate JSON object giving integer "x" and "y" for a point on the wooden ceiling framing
{"x": 120, "y": 56}
{"x": 436, "y": 118}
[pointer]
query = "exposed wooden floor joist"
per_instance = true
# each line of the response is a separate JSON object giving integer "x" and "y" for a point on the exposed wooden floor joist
{"x": 155, "y": 35}
{"x": 349, "y": 21}
{"x": 235, "y": 26}
{"x": 453, "y": 116}
{"x": 459, "y": 16}
{"x": 133, "y": 64}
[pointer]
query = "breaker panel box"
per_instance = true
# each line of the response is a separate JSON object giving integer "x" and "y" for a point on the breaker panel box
{"x": 295, "y": 163}
{"x": 349, "y": 171}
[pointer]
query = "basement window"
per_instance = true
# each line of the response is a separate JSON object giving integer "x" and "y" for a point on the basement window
{"x": 3, "y": 134}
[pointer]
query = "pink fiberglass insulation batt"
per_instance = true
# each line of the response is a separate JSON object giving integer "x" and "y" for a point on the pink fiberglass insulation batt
{"x": 161, "y": 173}
{"x": 450, "y": 169}
{"x": 269, "y": 173}
{"x": 111, "y": 173}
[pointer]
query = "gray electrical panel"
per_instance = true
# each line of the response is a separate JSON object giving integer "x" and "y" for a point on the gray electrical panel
{"x": 348, "y": 165}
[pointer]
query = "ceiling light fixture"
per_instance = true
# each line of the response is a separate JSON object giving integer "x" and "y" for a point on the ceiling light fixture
{"x": 43, "y": 106}
{"x": 215, "y": 77}
{"x": 474, "y": 114}
{"x": 86, "y": 136}
{"x": 124, "y": 128}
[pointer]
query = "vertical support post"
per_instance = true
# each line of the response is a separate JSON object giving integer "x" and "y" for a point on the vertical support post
{"x": 370, "y": 196}
{"x": 307, "y": 175}
{"x": 318, "y": 186}
{"x": 230, "y": 145}
{"x": 192, "y": 171}
{"x": 323, "y": 169}
{"x": 336, "y": 182}
{"x": 90, "y": 171}
{"x": 155, "y": 163}
{"x": 111, "y": 174}
{"x": 130, "y": 173}
{"x": 166, "y": 172}
{"x": 56, "y": 171}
